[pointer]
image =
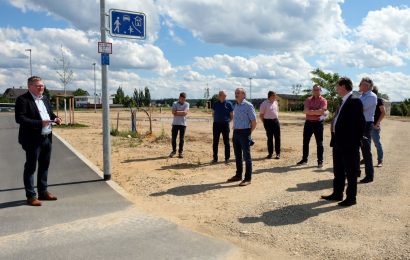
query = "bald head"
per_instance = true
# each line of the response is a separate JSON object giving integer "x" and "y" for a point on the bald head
{"x": 222, "y": 95}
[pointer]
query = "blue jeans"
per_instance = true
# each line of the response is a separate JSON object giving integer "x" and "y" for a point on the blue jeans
{"x": 241, "y": 145}
{"x": 366, "y": 151}
{"x": 41, "y": 154}
{"x": 377, "y": 143}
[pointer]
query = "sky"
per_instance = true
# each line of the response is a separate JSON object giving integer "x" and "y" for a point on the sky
{"x": 192, "y": 45}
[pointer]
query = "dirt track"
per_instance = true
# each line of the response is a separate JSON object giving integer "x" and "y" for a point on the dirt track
{"x": 280, "y": 214}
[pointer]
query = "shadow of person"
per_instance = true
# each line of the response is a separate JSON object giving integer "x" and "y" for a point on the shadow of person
{"x": 193, "y": 189}
{"x": 283, "y": 169}
{"x": 145, "y": 159}
{"x": 312, "y": 186}
{"x": 183, "y": 166}
{"x": 12, "y": 204}
{"x": 290, "y": 215}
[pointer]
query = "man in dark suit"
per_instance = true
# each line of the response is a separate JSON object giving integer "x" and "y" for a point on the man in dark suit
{"x": 347, "y": 133}
{"x": 33, "y": 113}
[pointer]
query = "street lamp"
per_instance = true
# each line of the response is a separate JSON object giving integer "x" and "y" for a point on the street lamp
{"x": 250, "y": 88}
{"x": 95, "y": 92}
{"x": 31, "y": 70}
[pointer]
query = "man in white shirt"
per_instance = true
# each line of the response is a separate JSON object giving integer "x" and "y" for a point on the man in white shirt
{"x": 34, "y": 115}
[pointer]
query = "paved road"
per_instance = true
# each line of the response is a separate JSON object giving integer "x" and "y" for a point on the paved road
{"x": 89, "y": 221}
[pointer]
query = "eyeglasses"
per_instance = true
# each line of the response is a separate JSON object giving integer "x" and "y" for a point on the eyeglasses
{"x": 38, "y": 85}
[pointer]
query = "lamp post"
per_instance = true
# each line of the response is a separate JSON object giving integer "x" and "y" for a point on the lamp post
{"x": 95, "y": 92}
{"x": 31, "y": 70}
{"x": 250, "y": 88}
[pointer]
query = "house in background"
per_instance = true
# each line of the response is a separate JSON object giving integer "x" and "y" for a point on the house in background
{"x": 290, "y": 102}
{"x": 13, "y": 93}
{"x": 89, "y": 101}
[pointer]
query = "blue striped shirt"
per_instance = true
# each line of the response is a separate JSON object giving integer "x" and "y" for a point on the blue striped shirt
{"x": 243, "y": 114}
{"x": 369, "y": 101}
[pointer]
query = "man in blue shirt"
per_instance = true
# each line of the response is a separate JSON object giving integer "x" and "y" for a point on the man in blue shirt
{"x": 223, "y": 114}
{"x": 369, "y": 101}
{"x": 244, "y": 122}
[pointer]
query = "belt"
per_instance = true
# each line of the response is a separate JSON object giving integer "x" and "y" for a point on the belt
{"x": 242, "y": 130}
{"x": 314, "y": 121}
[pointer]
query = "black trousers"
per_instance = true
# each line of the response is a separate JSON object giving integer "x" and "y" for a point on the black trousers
{"x": 313, "y": 128}
{"x": 346, "y": 165}
{"x": 272, "y": 128}
{"x": 367, "y": 151}
{"x": 219, "y": 128}
{"x": 41, "y": 154}
{"x": 175, "y": 129}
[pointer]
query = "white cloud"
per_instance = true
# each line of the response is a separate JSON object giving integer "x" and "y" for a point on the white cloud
{"x": 387, "y": 28}
{"x": 395, "y": 84}
{"x": 80, "y": 49}
{"x": 278, "y": 25}
{"x": 290, "y": 67}
{"x": 85, "y": 15}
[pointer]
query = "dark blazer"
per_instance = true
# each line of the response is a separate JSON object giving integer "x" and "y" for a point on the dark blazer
{"x": 28, "y": 116}
{"x": 350, "y": 125}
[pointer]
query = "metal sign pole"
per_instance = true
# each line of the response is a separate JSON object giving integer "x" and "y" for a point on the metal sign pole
{"x": 105, "y": 103}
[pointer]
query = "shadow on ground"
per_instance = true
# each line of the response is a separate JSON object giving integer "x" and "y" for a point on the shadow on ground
{"x": 145, "y": 159}
{"x": 55, "y": 184}
{"x": 312, "y": 186}
{"x": 282, "y": 169}
{"x": 193, "y": 189}
{"x": 291, "y": 215}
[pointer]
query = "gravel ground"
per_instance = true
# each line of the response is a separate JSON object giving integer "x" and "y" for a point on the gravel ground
{"x": 280, "y": 214}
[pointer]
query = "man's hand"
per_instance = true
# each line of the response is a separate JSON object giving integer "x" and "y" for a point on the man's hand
{"x": 376, "y": 126}
{"x": 58, "y": 120}
{"x": 45, "y": 123}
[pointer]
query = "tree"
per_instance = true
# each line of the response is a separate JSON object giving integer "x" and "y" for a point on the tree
{"x": 296, "y": 89}
{"x": 328, "y": 82}
{"x": 214, "y": 99}
{"x": 119, "y": 96}
{"x": 80, "y": 92}
{"x": 63, "y": 70}
{"x": 141, "y": 98}
{"x": 66, "y": 75}
{"x": 147, "y": 97}
{"x": 200, "y": 103}
{"x": 136, "y": 97}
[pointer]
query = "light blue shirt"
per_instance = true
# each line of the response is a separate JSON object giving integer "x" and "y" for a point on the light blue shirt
{"x": 43, "y": 114}
{"x": 369, "y": 101}
{"x": 180, "y": 120}
{"x": 243, "y": 114}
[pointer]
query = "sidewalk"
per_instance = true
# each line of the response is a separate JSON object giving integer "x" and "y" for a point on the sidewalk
{"x": 89, "y": 221}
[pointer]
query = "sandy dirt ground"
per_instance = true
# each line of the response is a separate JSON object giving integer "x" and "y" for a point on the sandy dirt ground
{"x": 280, "y": 215}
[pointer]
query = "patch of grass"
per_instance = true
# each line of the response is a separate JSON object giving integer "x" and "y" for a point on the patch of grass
{"x": 76, "y": 125}
{"x": 163, "y": 137}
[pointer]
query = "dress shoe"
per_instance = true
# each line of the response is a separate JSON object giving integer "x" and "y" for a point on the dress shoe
{"x": 347, "y": 203}
{"x": 227, "y": 161}
{"x": 244, "y": 183}
{"x": 180, "y": 155}
{"x": 366, "y": 180}
{"x": 33, "y": 202}
{"x": 47, "y": 196}
{"x": 379, "y": 163}
{"x": 269, "y": 156}
{"x": 277, "y": 157}
{"x": 320, "y": 165}
{"x": 172, "y": 154}
{"x": 302, "y": 162}
{"x": 234, "y": 178}
{"x": 333, "y": 197}
{"x": 214, "y": 161}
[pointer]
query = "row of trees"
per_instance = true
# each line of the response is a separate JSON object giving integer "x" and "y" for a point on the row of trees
{"x": 140, "y": 98}
{"x": 401, "y": 109}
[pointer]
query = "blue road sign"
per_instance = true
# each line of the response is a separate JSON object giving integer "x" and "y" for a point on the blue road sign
{"x": 127, "y": 24}
{"x": 105, "y": 59}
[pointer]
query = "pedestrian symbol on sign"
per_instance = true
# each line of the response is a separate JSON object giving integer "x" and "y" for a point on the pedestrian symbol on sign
{"x": 127, "y": 24}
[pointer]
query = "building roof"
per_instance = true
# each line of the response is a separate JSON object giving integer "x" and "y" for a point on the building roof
{"x": 16, "y": 92}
